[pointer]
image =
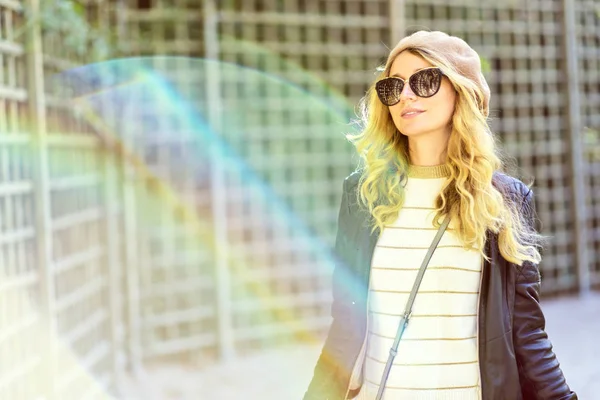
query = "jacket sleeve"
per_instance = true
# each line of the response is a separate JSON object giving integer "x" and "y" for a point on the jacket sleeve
{"x": 327, "y": 376}
{"x": 539, "y": 370}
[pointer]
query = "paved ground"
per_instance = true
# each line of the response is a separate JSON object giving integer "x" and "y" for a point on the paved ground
{"x": 573, "y": 325}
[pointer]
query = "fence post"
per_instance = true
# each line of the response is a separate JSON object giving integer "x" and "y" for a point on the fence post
{"x": 112, "y": 257}
{"x": 397, "y": 21}
{"x": 133, "y": 253}
{"x": 218, "y": 192}
{"x": 114, "y": 261}
{"x": 576, "y": 155}
{"x": 37, "y": 114}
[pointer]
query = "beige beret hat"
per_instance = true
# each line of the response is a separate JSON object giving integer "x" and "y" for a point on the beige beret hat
{"x": 454, "y": 50}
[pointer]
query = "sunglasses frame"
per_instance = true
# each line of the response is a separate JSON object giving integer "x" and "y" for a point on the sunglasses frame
{"x": 409, "y": 84}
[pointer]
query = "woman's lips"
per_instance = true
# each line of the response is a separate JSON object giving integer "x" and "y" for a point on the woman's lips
{"x": 412, "y": 114}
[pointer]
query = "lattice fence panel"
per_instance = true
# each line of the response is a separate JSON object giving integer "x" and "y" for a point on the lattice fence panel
{"x": 177, "y": 287}
{"x": 285, "y": 117}
{"x": 276, "y": 136}
{"x": 588, "y": 27}
{"x": 173, "y": 27}
{"x": 20, "y": 321}
{"x": 521, "y": 42}
{"x": 84, "y": 220}
{"x": 166, "y": 129}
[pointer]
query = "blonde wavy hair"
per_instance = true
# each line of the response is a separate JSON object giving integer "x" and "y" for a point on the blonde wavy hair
{"x": 468, "y": 196}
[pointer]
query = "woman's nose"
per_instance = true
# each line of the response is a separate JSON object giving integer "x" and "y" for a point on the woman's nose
{"x": 407, "y": 92}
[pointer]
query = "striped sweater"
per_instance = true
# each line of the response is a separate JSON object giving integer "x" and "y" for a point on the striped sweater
{"x": 437, "y": 356}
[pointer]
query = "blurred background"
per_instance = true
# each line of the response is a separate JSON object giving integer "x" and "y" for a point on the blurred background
{"x": 171, "y": 172}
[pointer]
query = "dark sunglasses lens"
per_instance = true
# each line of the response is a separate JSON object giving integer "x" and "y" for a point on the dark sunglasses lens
{"x": 426, "y": 83}
{"x": 389, "y": 90}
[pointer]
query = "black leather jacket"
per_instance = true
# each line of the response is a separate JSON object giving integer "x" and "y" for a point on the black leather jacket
{"x": 515, "y": 355}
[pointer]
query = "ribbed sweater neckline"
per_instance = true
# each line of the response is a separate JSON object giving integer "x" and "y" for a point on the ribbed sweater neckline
{"x": 428, "y": 171}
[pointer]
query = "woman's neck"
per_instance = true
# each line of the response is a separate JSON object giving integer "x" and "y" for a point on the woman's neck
{"x": 428, "y": 149}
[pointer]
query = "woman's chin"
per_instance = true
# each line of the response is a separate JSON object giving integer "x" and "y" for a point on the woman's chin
{"x": 412, "y": 131}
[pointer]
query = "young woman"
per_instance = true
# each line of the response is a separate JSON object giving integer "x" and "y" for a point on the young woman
{"x": 476, "y": 330}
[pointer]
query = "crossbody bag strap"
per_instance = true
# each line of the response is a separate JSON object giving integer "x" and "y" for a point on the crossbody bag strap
{"x": 408, "y": 309}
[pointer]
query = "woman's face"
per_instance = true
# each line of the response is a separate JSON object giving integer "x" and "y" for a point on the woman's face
{"x": 434, "y": 114}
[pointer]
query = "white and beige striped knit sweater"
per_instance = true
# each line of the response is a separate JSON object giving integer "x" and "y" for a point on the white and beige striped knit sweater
{"x": 437, "y": 356}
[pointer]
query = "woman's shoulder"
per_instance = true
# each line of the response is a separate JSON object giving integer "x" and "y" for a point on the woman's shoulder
{"x": 352, "y": 180}
{"x": 510, "y": 186}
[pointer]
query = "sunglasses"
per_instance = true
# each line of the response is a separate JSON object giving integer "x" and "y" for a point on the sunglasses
{"x": 424, "y": 83}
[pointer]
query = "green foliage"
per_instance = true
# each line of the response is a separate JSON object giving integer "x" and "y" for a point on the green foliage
{"x": 485, "y": 65}
{"x": 67, "y": 20}
{"x": 591, "y": 142}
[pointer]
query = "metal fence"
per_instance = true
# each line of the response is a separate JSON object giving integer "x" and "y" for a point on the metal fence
{"x": 196, "y": 228}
